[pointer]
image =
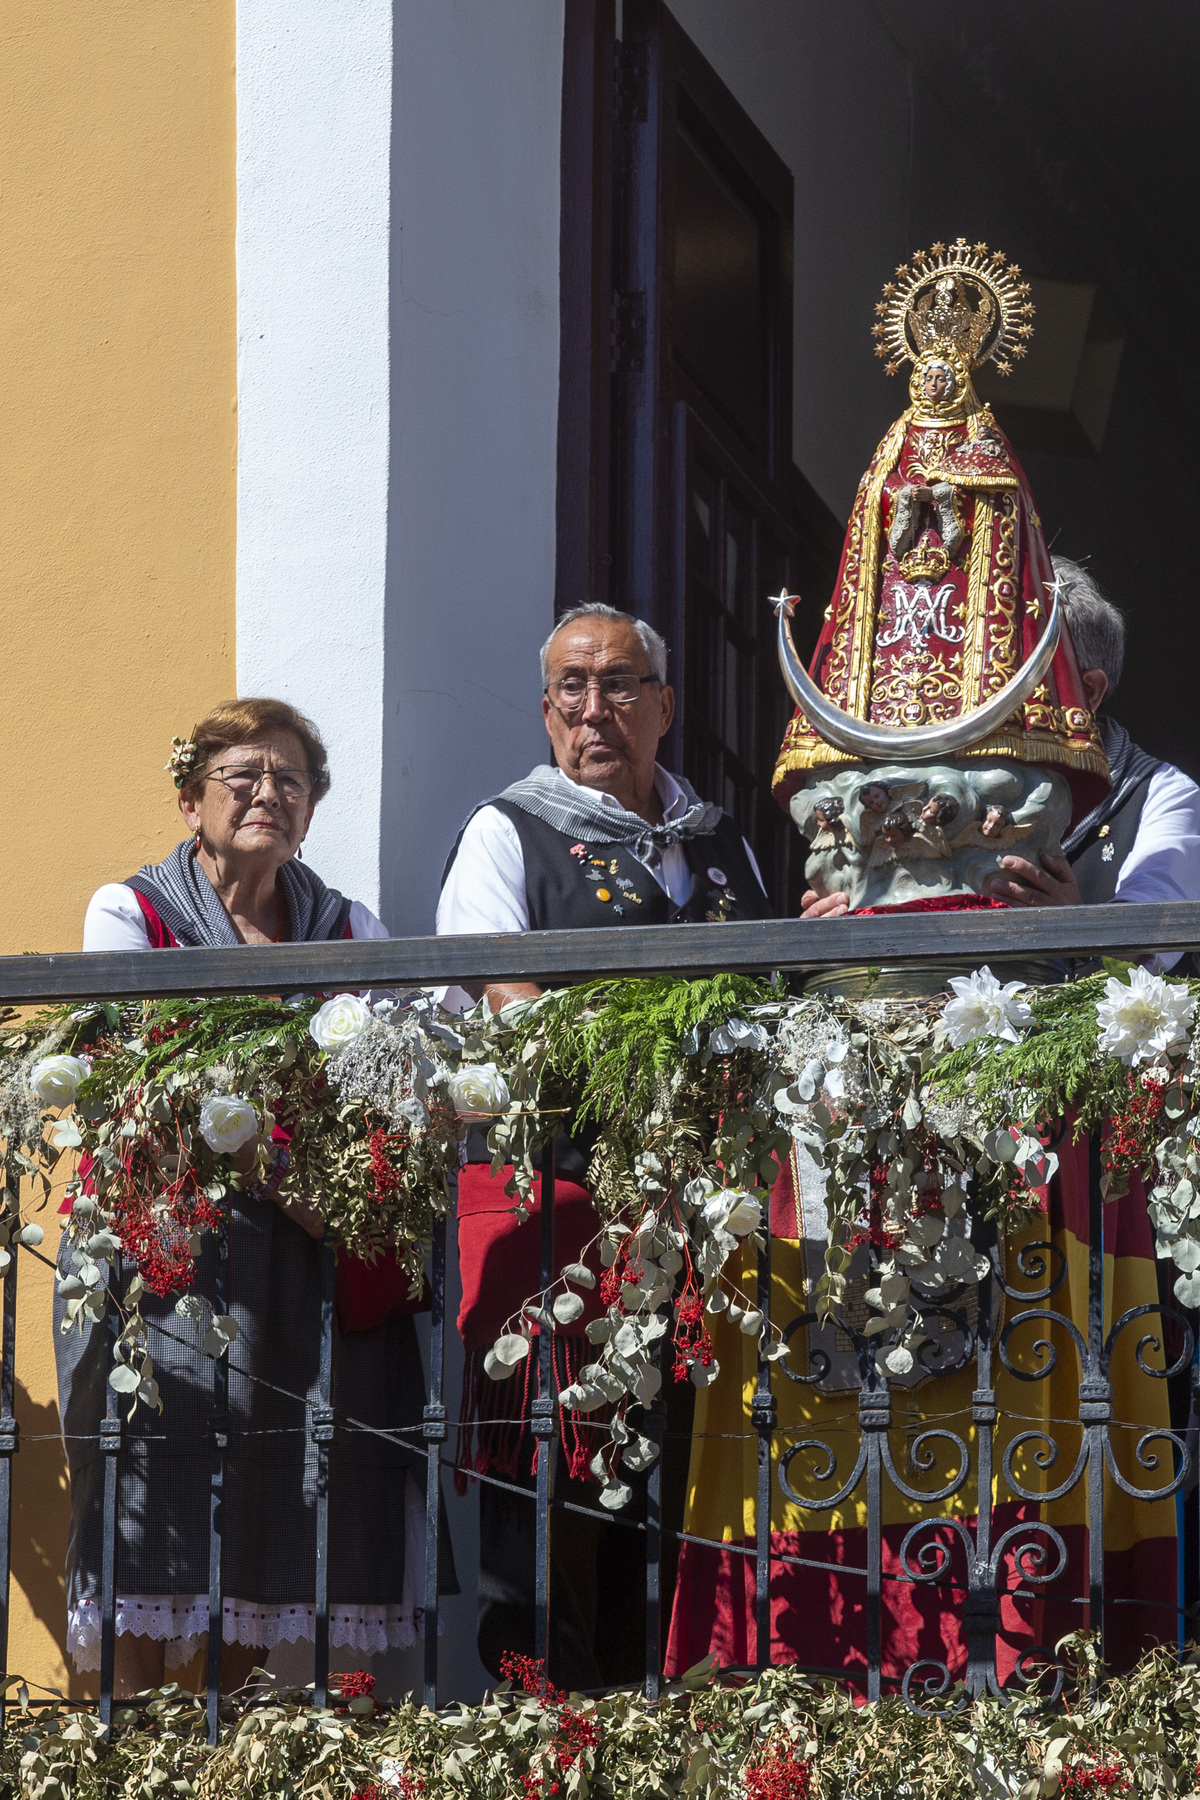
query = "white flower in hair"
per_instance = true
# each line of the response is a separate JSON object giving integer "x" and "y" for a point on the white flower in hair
{"x": 1144, "y": 1018}
{"x": 982, "y": 1008}
{"x": 339, "y": 1022}
{"x": 227, "y": 1122}
{"x": 54, "y": 1080}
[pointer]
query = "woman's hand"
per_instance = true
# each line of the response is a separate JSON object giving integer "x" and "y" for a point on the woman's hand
{"x": 301, "y": 1213}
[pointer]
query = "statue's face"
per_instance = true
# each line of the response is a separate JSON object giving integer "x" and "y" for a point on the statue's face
{"x": 829, "y": 811}
{"x": 994, "y": 822}
{"x": 874, "y": 797}
{"x": 937, "y": 383}
{"x": 940, "y": 810}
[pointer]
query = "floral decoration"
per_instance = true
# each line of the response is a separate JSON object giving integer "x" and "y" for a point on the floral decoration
{"x": 922, "y": 1119}
{"x": 777, "y": 1736}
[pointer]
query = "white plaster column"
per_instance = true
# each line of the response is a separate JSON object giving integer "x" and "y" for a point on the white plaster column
{"x": 314, "y": 98}
{"x": 398, "y": 223}
{"x": 475, "y": 211}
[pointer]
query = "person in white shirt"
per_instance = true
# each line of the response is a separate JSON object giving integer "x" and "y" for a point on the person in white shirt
{"x": 1142, "y": 842}
{"x": 248, "y": 782}
{"x": 605, "y": 837}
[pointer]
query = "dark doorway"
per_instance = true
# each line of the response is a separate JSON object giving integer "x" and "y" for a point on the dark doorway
{"x": 678, "y": 497}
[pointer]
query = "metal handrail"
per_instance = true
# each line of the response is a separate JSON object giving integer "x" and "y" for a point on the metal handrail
{"x": 563, "y": 956}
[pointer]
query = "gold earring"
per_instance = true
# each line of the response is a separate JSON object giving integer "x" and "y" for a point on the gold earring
{"x": 300, "y": 851}
{"x": 196, "y": 839}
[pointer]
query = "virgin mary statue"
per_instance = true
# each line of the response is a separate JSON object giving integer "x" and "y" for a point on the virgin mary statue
{"x": 943, "y": 667}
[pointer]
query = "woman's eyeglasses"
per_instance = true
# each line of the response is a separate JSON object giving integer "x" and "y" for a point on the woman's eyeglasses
{"x": 244, "y": 781}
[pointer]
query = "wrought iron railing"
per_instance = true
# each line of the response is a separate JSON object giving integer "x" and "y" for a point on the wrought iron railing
{"x": 1074, "y": 934}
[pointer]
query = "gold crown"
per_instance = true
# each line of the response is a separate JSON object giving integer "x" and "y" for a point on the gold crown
{"x": 966, "y": 298}
{"x": 926, "y": 562}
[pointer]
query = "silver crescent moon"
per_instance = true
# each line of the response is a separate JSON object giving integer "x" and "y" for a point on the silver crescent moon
{"x": 892, "y": 743}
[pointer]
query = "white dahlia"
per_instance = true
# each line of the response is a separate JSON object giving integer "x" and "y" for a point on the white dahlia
{"x": 1144, "y": 1018}
{"x": 982, "y": 1008}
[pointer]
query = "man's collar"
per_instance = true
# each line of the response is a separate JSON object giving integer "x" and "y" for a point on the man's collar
{"x": 674, "y": 800}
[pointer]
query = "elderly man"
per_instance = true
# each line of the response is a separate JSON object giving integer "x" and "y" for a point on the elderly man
{"x": 605, "y": 837}
{"x": 1143, "y": 840}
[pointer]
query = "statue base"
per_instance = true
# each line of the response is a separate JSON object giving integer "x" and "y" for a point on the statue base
{"x": 892, "y": 833}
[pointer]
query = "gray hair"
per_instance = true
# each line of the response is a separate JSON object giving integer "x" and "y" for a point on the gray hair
{"x": 1097, "y": 627}
{"x": 654, "y": 645}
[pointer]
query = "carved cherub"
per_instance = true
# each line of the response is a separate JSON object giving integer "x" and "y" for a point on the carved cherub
{"x": 894, "y": 841}
{"x": 929, "y": 839}
{"x": 829, "y": 816}
{"x": 995, "y": 831}
{"x": 875, "y": 800}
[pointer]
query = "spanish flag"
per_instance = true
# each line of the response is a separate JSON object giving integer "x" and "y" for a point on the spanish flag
{"x": 819, "y": 1567}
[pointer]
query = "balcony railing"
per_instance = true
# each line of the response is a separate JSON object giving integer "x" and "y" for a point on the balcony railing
{"x": 1075, "y": 935}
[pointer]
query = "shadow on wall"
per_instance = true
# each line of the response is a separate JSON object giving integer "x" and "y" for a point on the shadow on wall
{"x": 40, "y": 1522}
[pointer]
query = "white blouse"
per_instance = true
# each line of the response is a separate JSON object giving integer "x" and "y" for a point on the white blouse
{"x": 115, "y": 921}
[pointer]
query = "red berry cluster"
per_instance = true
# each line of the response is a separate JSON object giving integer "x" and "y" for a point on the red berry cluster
{"x": 574, "y": 1733}
{"x": 615, "y": 1277}
{"x": 352, "y": 1686}
{"x": 871, "y": 1227}
{"x": 387, "y": 1178}
{"x": 1135, "y": 1131}
{"x": 1093, "y": 1777}
{"x": 156, "y": 1219}
{"x": 779, "y": 1775}
{"x": 693, "y": 1341}
{"x": 528, "y": 1674}
{"x": 406, "y": 1785}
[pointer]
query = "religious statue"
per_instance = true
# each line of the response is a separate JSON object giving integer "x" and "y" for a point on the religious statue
{"x": 943, "y": 654}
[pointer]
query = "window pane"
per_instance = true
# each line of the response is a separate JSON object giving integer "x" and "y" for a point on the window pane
{"x": 737, "y": 564}
{"x": 719, "y": 316}
{"x": 700, "y": 523}
{"x": 772, "y": 572}
{"x": 731, "y": 721}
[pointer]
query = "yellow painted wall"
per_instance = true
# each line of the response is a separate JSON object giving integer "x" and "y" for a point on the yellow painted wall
{"x": 117, "y": 522}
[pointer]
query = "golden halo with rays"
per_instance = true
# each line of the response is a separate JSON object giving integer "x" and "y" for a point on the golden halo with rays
{"x": 965, "y": 297}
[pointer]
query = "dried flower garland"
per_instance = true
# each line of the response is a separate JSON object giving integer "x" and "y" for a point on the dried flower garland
{"x": 777, "y": 1737}
{"x": 915, "y": 1120}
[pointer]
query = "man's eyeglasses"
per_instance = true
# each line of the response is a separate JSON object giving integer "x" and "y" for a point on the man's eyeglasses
{"x": 570, "y": 694}
{"x": 245, "y": 780}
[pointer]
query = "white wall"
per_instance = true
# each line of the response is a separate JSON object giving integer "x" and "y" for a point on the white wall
{"x": 398, "y": 194}
{"x": 314, "y": 98}
{"x": 475, "y": 218}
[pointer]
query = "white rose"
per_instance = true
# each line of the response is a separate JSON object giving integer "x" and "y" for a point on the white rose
{"x": 54, "y": 1080}
{"x": 227, "y": 1122}
{"x": 478, "y": 1091}
{"x": 732, "y": 1210}
{"x": 339, "y": 1022}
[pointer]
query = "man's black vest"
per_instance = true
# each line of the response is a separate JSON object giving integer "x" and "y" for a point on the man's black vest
{"x": 1099, "y": 859}
{"x": 572, "y": 883}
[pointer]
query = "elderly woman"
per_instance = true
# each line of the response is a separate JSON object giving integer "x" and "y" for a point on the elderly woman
{"x": 249, "y": 782}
